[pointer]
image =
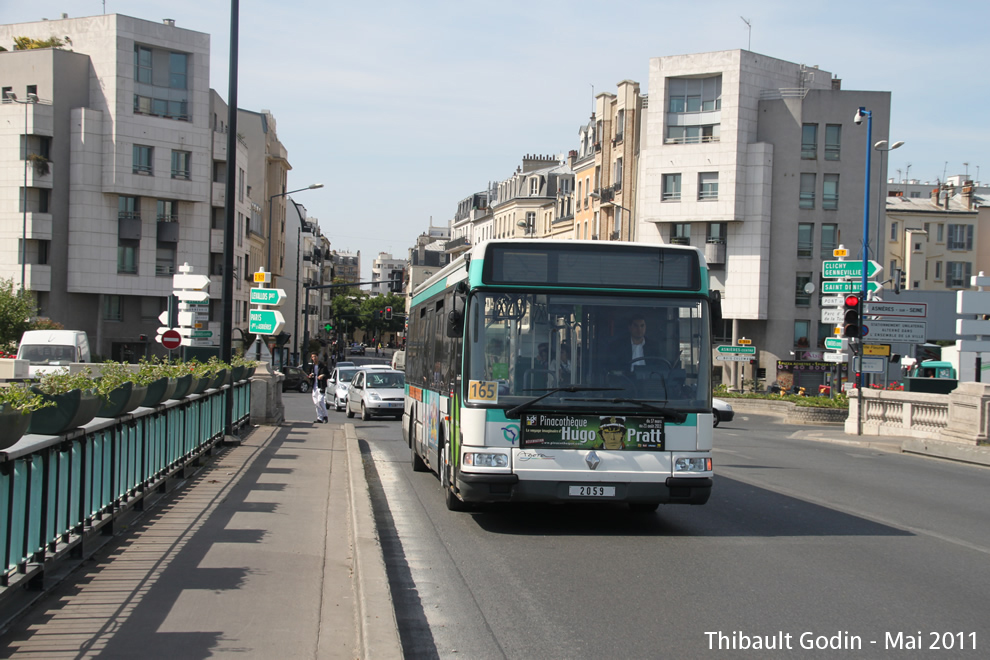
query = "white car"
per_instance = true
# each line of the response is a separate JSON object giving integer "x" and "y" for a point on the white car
{"x": 721, "y": 411}
{"x": 377, "y": 392}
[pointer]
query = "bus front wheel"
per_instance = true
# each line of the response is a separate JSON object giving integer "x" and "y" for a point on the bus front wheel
{"x": 454, "y": 503}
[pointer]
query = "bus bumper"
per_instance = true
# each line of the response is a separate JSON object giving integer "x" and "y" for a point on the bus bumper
{"x": 509, "y": 488}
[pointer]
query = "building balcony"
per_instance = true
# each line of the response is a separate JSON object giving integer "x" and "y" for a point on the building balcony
{"x": 39, "y": 226}
{"x": 715, "y": 252}
{"x": 39, "y": 174}
{"x": 216, "y": 241}
{"x": 38, "y": 277}
{"x": 219, "y": 145}
{"x": 218, "y": 197}
{"x": 457, "y": 245}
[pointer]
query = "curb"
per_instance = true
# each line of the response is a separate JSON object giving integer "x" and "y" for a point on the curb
{"x": 378, "y": 632}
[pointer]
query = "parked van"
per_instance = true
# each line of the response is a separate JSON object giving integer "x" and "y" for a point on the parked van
{"x": 399, "y": 360}
{"x": 50, "y": 350}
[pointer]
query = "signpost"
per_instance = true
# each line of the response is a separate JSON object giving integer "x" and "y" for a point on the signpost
{"x": 745, "y": 350}
{"x": 909, "y": 332}
{"x": 265, "y": 322}
{"x": 836, "y": 343}
{"x": 850, "y": 287}
{"x": 910, "y": 310}
{"x": 835, "y": 357}
{"x": 852, "y": 269}
{"x": 274, "y": 297}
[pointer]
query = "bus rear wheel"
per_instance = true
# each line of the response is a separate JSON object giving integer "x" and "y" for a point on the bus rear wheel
{"x": 453, "y": 502}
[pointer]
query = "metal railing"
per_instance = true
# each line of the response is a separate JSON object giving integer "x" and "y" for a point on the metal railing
{"x": 56, "y": 492}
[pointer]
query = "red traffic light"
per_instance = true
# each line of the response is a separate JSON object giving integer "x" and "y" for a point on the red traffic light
{"x": 852, "y": 300}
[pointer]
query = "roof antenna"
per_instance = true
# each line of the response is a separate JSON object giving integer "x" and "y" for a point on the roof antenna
{"x": 749, "y": 25}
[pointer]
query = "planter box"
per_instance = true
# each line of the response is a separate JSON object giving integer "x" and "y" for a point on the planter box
{"x": 71, "y": 410}
{"x": 13, "y": 424}
{"x": 158, "y": 391}
{"x": 183, "y": 386}
{"x": 123, "y": 400}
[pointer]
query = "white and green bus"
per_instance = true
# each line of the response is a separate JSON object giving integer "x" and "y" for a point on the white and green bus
{"x": 549, "y": 371}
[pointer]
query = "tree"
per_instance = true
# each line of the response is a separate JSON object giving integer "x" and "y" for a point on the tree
{"x": 16, "y": 310}
{"x": 27, "y": 43}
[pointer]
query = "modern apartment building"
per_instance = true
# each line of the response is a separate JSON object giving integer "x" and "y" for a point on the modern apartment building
{"x": 758, "y": 162}
{"x": 125, "y": 119}
{"x": 387, "y": 274}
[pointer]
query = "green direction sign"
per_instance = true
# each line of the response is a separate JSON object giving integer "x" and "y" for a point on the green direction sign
{"x": 833, "y": 343}
{"x": 201, "y": 334}
{"x": 850, "y": 287}
{"x": 747, "y": 350}
{"x": 265, "y": 322}
{"x": 849, "y": 268}
{"x": 267, "y": 296}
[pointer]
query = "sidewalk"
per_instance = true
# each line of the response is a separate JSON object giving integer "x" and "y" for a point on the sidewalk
{"x": 270, "y": 551}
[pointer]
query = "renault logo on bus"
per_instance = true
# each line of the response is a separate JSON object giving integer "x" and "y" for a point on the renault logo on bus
{"x": 592, "y": 460}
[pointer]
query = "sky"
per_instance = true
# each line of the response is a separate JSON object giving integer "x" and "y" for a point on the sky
{"x": 403, "y": 108}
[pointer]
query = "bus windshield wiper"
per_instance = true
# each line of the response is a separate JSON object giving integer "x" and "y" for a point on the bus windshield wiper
{"x": 676, "y": 416}
{"x": 526, "y": 405}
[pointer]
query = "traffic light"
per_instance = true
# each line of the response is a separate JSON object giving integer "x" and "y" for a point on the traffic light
{"x": 899, "y": 280}
{"x": 851, "y": 318}
{"x": 388, "y": 313}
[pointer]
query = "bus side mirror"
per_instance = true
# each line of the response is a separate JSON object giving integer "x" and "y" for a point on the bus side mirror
{"x": 455, "y": 324}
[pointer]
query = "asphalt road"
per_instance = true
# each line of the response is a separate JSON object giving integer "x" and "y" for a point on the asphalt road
{"x": 803, "y": 543}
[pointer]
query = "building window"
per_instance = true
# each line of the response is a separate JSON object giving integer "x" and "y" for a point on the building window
{"x": 801, "y": 330}
{"x": 830, "y": 240}
{"x": 143, "y": 159}
{"x": 680, "y": 233}
{"x": 960, "y": 237}
{"x": 694, "y": 94}
{"x": 534, "y": 186}
{"x": 809, "y": 141}
{"x": 671, "y": 188}
{"x": 168, "y": 210}
{"x": 164, "y": 260}
{"x": 142, "y": 64}
{"x": 806, "y": 239}
{"x": 617, "y": 178}
{"x": 807, "y": 198}
{"x": 240, "y": 229}
{"x": 717, "y": 232}
{"x": 240, "y": 184}
{"x": 940, "y": 232}
{"x": 938, "y": 270}
{"x": 893, "y": 231}
{"x": 833, "y": 138}
{"x": 825, "y": 330}
{"x": 957, "y": 274}
{"x": 177, "y": 70}
{"x": 693, "y": 134}
{"x": 127, "y": 256}
{"x": 181, "y": 164}
{"x": 128, "y": 208}
{"x": 37, "y": 200}
{"x": 801, "y": 297}
{"x": 830, "y": 192}
{"x": 112, "y": 308}
{"x": 707, "y": 186}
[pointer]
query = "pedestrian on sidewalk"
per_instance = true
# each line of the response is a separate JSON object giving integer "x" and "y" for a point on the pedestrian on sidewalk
{"x": 318, "y": 376}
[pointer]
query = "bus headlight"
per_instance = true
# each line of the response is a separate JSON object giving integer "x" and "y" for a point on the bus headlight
{"x": 693, "y": 465}
{"x": 477, "y": 459}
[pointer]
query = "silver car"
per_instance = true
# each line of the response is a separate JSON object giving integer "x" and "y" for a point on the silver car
{"x": 377, "y": 392}
{"x": 340, "y": 380}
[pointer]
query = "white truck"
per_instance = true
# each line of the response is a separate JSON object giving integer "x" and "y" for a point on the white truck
{"x": 50, "y": 350}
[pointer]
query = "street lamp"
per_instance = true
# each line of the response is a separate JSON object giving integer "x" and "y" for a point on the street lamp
{"x": 882, "y": 147}
{"x": 858, "y": 119}
{"x": 31, "y": 99}
{"x": 618, "y": 220}
{"x": 271, "y": 202}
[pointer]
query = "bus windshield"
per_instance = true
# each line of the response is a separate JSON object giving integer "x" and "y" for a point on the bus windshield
{"x": 631, "y": 353}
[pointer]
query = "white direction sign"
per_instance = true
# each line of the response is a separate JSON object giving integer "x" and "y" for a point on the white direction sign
{"x": 972, "y": 302}
{"x": 190, "y": 281}
{"x": 908, "y": 332}
{"x": 911, "y": 310}
{"x": 974, "y": 345}
{"x": 734, "y": 357}
{"x": 192, "y": 296}
{"x": 832, "y": 315}
{"x": 835, "y": 357}
{"x": 833, "y": 301}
